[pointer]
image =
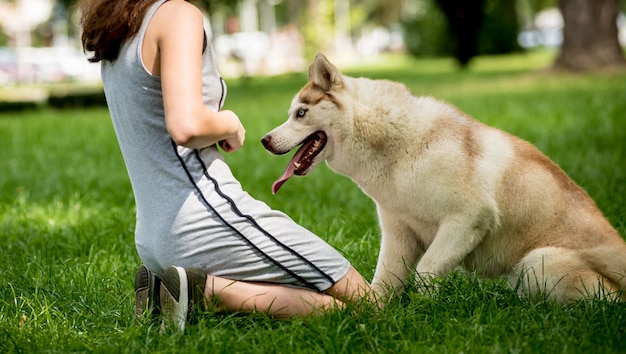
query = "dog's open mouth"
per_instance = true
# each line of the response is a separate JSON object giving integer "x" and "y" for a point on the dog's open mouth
{"x": 302, "y": 159}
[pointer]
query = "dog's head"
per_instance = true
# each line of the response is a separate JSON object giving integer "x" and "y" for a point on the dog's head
{"x": 313, "y": 111}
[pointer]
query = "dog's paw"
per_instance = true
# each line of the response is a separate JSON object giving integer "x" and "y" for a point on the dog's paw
{"x": 427, "y": 284}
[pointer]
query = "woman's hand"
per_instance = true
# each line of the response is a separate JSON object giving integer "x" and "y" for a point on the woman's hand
{"x": 235, "y": 141}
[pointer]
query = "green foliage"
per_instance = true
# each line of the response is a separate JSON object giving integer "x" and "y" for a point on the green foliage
{"x": 67, "y": 95}
{"x": 427, "y": 34}
{"x": 317, "y": 26}
{"x": 67, "y": 219}
{"x": 12, "y": 106}
{"x": 75, "y": 99}
{"x": 498, "y": 34}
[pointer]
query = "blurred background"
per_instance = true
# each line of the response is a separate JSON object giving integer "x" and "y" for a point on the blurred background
{"x": 40, "y": 39}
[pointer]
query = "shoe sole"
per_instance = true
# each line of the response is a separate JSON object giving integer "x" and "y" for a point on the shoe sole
{"x": 142, "y": 286}
{"x": 146, "y": 294}
{"x": 175, "y": 283}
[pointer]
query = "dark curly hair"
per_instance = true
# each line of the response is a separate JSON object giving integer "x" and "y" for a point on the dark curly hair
{"x": 107, "y": 24}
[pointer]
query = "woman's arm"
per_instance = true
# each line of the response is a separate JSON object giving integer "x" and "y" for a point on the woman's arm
{"x": 175, "y": 36}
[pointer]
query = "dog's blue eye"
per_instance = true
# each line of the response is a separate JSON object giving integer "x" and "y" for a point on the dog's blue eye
{"x": 301, "y": 112}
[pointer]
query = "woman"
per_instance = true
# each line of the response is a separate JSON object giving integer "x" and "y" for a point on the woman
{"x": 196, "y": 228}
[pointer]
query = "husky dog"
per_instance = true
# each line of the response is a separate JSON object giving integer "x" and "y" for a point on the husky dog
{"x": 451, "y": 191}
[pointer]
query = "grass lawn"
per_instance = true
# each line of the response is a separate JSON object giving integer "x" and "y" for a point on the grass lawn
{"x": 67, "y": 258}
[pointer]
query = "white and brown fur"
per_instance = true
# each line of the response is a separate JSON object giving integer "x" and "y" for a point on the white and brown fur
{"x": 451, "y": 191}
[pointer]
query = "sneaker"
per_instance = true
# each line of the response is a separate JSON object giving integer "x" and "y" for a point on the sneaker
{"x": 146, "y": 293}
{"x": 181, "y": 291}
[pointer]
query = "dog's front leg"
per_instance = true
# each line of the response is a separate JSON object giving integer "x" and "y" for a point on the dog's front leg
{"x": 399, "y": 252}
{"x": 457, "y": 236}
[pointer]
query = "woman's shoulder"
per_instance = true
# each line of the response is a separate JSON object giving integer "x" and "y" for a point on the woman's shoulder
{"x": 179, "y": 10}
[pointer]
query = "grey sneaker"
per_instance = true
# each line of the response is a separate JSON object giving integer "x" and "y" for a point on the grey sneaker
{"x": 146, "y": 294}
{"x": 182, "y": 289}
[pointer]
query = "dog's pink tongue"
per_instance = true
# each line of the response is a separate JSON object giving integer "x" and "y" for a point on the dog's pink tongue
{"x": 289, "y": 170}
{"x": 279, "y": 182}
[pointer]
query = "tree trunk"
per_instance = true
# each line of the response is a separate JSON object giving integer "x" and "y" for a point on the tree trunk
{"x": 465, "y": 18}
{"x": 590, "y": 35}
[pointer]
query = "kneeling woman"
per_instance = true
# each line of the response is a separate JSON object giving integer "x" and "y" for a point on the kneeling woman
{"x": 196, "y": 228}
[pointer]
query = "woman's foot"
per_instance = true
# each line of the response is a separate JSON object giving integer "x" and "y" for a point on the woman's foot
{"x": 146, "y": 294}
{"x": 182, "y": 289}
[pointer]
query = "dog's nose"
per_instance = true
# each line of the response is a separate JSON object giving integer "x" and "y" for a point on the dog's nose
{"x": 266, "y": 140}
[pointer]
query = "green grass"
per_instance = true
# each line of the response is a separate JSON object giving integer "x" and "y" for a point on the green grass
{"x": 67, "y": 258}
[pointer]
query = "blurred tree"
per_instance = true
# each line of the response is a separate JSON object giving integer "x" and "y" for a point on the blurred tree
{"x": 465, "y": 18}
{"x": 500, "y": 27}
{"x": 385, "y": 13}
{"x": 426, "y": 31}
{"x": 590, "y": 35}
{"x": 317, "y": 26}
{"x": 463, "y": 29}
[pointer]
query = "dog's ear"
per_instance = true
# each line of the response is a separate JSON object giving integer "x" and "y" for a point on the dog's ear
{"x": 324, "y": 74}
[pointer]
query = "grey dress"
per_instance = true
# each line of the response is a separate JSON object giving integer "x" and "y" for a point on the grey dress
{"x": 191, "y": 211}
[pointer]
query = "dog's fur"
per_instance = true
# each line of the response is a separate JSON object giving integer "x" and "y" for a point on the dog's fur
{"x": 452, "y": 191}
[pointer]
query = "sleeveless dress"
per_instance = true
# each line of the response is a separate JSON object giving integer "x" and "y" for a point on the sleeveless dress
{"x": 190, "y": 209}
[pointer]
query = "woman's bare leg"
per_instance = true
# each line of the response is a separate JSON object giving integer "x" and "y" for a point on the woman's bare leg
{"x": 273, "y": 299}
{"x": 285, "y": 302}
